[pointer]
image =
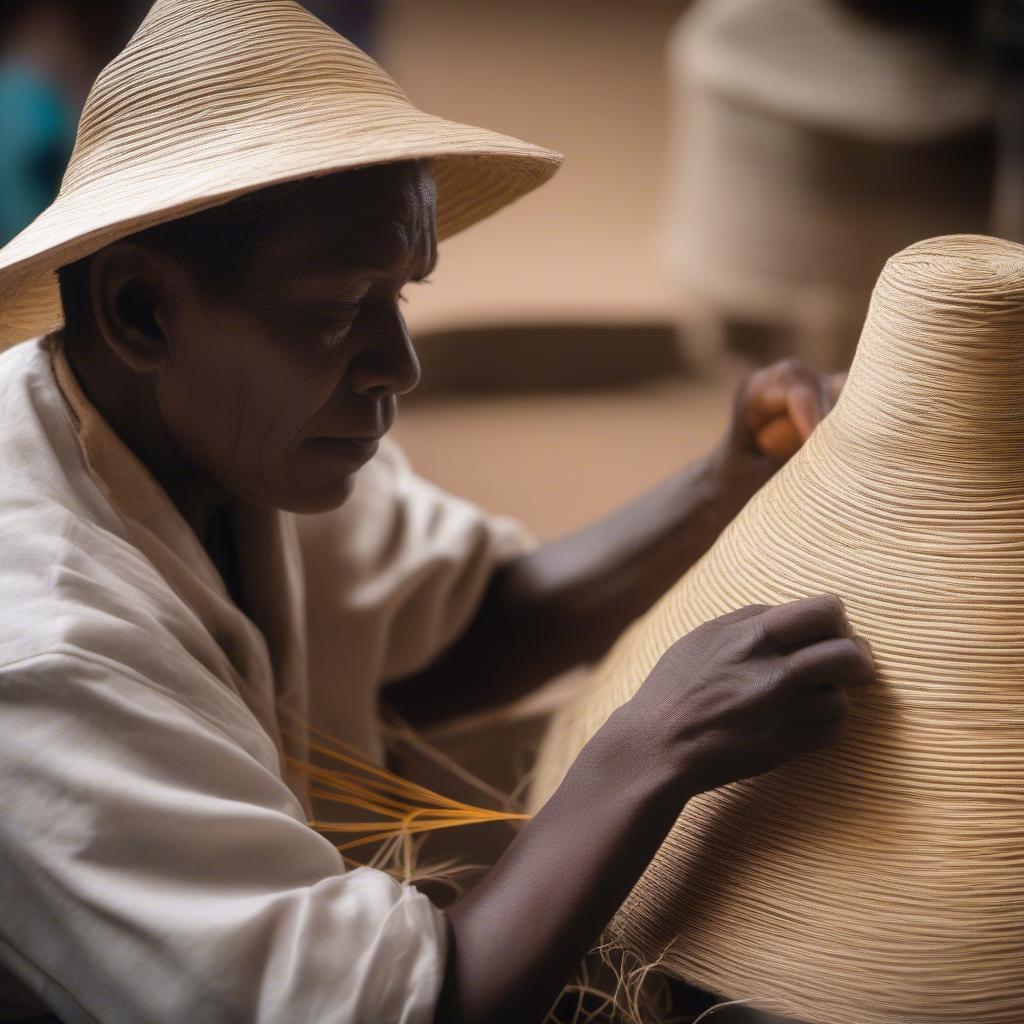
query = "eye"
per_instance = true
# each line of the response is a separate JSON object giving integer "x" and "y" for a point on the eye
{"x": 340, "y": 311}
{"x": 335, "y": 320}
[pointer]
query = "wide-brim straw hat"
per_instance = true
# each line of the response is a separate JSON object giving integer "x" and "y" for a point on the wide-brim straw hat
{"x": 212, "y": 99}
{"x": 880, "y": 881}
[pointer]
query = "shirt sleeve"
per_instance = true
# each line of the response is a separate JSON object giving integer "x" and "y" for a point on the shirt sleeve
{"x": 398, "y": 571}
{"x": 153, "y": 869}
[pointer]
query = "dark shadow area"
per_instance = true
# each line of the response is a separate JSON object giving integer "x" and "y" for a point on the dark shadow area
{"x": 544, "y": 358}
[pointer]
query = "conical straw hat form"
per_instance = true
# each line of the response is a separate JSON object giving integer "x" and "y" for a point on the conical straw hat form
{"x": 880, "y": 881}
{"x": 214, "y": 98}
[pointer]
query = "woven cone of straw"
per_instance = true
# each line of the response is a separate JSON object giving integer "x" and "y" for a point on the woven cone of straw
{"x": 881, "y": 881}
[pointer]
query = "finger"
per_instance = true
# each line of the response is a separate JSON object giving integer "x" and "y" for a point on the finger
{"x": 779, "y": 437}
{"x": 740, "y": 614}
{"x": 834, "y": 383}
{"x": 805, "y": 404}
{"x": 840, "y": 661}
{"x": 790, "y": 389}
{"x": 708, "y": 630}
{"x": 805, "y": 621}
{"x": 824, "y": 704}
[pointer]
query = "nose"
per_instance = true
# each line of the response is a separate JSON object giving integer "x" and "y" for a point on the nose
{"x": 388, "y": 365}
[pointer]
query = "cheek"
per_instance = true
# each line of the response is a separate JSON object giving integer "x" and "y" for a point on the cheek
{"x": 240, "y": 397}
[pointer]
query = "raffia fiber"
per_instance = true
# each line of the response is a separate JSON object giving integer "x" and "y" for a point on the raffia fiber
{"x": 212, "y": 99}
{"x": 387, "y": 806}
{"x": 882, "y": 881}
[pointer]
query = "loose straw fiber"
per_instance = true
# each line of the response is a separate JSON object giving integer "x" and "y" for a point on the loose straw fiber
{"x": 880, "y": 882}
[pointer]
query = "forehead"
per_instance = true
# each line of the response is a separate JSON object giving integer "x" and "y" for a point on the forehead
{"x": 380, "y": 218}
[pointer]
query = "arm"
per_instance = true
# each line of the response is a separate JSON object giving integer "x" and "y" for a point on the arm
{"x": 566, "y": 602}
{"x": 562, "y": 604}
{"x": 734, "y": 698}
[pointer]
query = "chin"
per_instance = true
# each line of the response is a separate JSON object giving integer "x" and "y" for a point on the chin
{"x": 321, "y": 499}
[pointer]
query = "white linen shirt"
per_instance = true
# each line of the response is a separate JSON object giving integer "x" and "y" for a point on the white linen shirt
{"x": 155, "y": 861}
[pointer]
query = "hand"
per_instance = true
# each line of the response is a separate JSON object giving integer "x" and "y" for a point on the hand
{"x": 781, "y": 404}
{"x": 775, "y": 411}
{"x": 736, "y": 697}
{"x": 747, "y": 691}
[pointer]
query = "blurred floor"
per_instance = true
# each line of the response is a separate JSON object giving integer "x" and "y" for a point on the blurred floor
{"x": 558, "y": 461}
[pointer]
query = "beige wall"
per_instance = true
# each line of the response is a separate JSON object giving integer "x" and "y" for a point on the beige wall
{"x": 584, "y": 77}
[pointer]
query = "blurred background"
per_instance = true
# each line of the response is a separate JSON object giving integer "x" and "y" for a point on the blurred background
{"x": 736, "y": 173}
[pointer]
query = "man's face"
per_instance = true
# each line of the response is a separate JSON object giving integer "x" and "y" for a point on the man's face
{"x": 279, "y": 390}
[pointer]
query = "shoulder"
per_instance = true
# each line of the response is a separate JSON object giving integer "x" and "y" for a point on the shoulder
{"x": 40, "y": 456}
{"x": 81, "y": 602}
{"x": 67, "y": 577}
{"x": 74, "y": 692}
{"x": 63, "y": 560}
{"x": 85, "y": 611}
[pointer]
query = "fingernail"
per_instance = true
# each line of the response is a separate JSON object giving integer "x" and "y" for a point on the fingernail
{"x": 865, "y": 645}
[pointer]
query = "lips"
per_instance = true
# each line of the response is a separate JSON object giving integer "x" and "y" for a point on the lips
{"x": 363, "y": 442}
{"x": 355, "y": 449}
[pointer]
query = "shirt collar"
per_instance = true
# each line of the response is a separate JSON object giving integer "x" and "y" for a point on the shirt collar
{"x": 128, "y": 485}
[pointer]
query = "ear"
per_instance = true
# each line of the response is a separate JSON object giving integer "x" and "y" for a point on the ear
{"x": 131, "y": 293}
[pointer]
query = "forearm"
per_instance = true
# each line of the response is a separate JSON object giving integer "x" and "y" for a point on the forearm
{"x": 595, "y": 582}
{"x": 566, "y": 602}
{"x": 517, "y": 938}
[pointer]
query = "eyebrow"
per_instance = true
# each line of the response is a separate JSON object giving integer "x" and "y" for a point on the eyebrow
{"x": 356, "y": 261}
{"x": 321, "y": 278}
{"x": 326, "y": 271}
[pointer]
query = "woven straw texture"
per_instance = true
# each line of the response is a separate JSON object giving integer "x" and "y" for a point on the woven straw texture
{"x": 882, "y": 881}
{"x": 215, "y": 98}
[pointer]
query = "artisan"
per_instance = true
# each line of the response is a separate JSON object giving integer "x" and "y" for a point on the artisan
{"x": 205, "y": 537}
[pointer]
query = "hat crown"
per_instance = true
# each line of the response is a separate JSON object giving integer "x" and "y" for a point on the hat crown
{"x": 229, "y": 66}
{"x": 938, "y": 377}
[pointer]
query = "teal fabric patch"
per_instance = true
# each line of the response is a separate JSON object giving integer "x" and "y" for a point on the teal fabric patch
{"x": 37, "y": 134}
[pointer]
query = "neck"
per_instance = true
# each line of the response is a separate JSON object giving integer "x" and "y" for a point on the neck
{"x": 127, "y": 401}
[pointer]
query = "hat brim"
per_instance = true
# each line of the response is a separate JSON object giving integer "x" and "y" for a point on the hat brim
{"x": 477, "y": 173}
